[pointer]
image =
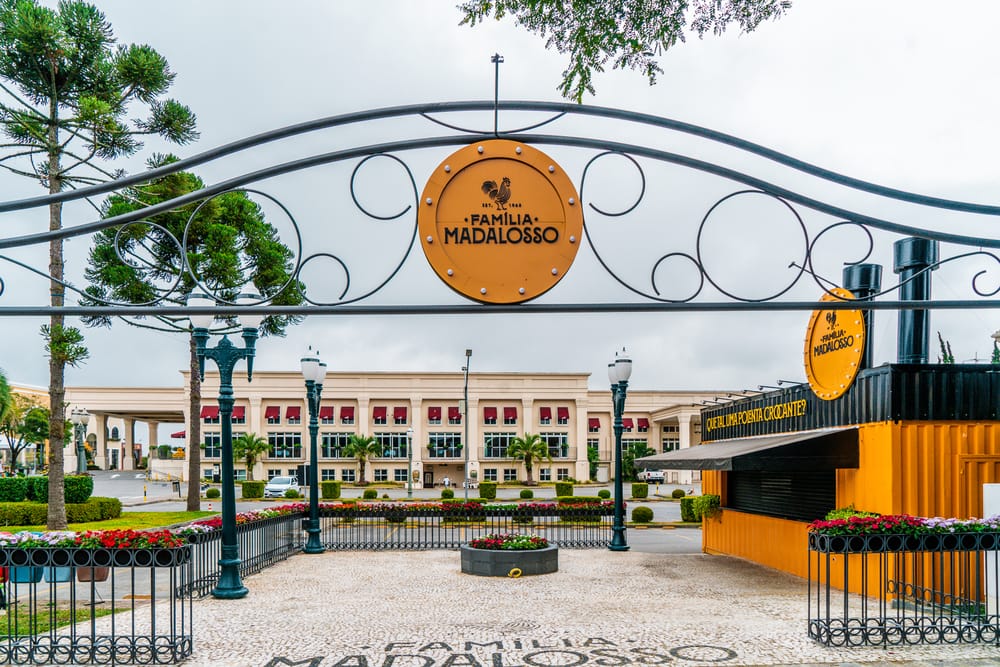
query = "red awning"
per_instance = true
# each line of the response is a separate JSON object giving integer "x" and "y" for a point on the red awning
{"x": 509, "y": 414}
{"x": 239, "y": 412}
{"x": 272, "y": 412}
{"x": 544, "y": 413}
{"x": 346, "y": 412}
{"x": 489, "y": 413}
{"x": 179, "y": 434}
{"x": 326, "y": 412}
{"x": 399, "y": 414}
{"x": 454, "y": 413}
{"x": 378, "y": 412}
{"x": 293, "y": 412}
{"x": 643, "y": 422}
{"x": 627, "y": 422}
{"x": 562, "y": 413}
{"x": 434, "y": 414}
{"x": 209, "y": 411}
{"x": 594, "y": 423}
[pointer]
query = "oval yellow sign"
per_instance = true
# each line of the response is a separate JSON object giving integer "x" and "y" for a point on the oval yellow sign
{"x": 500, "y": 222}
{"x": 834, "y": 346}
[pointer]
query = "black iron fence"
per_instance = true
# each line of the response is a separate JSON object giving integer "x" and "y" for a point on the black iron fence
{"x": 262, "y": 543}
{"x": 929, "y": 589}
{"x": 379, "y": 527}
{"x": 95, "y": 606}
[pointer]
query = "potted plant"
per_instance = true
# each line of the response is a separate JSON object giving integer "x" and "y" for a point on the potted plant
{"x": 509, "y": 555}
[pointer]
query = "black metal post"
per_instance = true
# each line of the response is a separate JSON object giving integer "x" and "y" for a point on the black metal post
{"x": 225, "y": 355}
{"x": 81, "y": 450}
{"x": 618, "y": 541}
{"x": 313, "y": 543}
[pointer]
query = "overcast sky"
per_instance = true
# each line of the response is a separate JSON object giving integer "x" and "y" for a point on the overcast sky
{"x": 900, "y": 93}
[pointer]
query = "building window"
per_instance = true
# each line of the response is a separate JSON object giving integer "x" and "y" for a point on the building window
{"x": 496, "y": 444}
{"x": 593, "y": 425}
{"x": 240, "y": 474}
{"x": 332, "y": 445}
{"x": 509, "y": 416}
{"x": 293, "y": 415}
{"x": 545, "y": 475}
{"x": 347, "y": 415}
{"x": 210, "y": 414}
{"x": 670, "y": 444}
{"x": 434, "y": 416}
{"x": 399, "y": 416}
{"x": 393, "y": 445}
{"x": 326, "y": 415}
{"x": 643, "y": 425}
{"x": 562, "y": 416}
{"x": 239, "y": 415}
{"x": 381, "y": 475}
{"x": 347, "y": 475}
{"x": 558, "y": 444}
{"x": 562, "y": 474}
{"x": 399, "y": 475}
{"x": 284, "y": 445}
{"x": 490, "y": 474}
{"x": 328, "y": 475}
{"x": 627, "y": 424}
{"x": 207, "y": 473}
{"x": 490, "y": 416}
{"x": 633, "y": 444}
{"x": 272, "y": 414}
{"x": 379, "y": 415}
{"x": 272, "y": 473}
{"x": 293, "y": 473}
{"x": 544, "y": 416}
{"x": 454, "y": 416}
{"x": 213, "y": 445}
{"x": 510, "y": 474}
{"x": 444, "y": 445}
{"x": 671, "y": 428}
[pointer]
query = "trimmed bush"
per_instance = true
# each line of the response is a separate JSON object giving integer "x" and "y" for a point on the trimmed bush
{"x": 82, "y": 512}
{"x": 642, "y": 515}
{"x": 527, "y": 494}
{"x": 254, "y": 489}
{"x": 640, "y": 490}
{"x": 677, "y": 493}
{"x": 13, "y": 489}
{"x": 480, "y": 501}
{"x": 37, "y": 487}
{"x": 329, "y": 489}
{"x": 370, "y": 494}
{"x": 447, "y": 493}
{"x": 77, "y": 488}
{"x": 706, "y": 506}
{"x": 215, "y": 492}
{"x": 564, "y": 488}
{"x": 292, "y": 493}
{"x": 163, "y": 451}
{"x": 488, "y": 490}
{"x": 687, "y": 509}
{"x": 110, "y": 508}
{"x": 578, "y": 499}
{"x": 604, "y": 494}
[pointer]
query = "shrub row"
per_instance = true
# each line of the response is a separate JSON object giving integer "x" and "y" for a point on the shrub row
{"x": 36, "y": 514}
{"x": 579, "y": 499}
{"x": 18, "y": 489}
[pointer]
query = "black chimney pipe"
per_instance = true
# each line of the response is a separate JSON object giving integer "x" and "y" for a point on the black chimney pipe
{"x": 911, "y": 257}
{"x": 865, "y": 280}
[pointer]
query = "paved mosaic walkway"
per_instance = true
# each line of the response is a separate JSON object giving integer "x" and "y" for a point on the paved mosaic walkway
{"x": 601, "y": 609}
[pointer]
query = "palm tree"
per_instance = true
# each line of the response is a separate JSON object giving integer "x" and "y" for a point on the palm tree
{"x": 529, "y": 448}
{"x": 249, "y": 447}
{"x": 363, "y": 448}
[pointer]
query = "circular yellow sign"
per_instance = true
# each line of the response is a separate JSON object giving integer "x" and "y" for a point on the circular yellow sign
{"x": 834, "y": 346}
{"x": 500, "y": 222}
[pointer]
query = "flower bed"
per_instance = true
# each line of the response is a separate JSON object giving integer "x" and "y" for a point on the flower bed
{"x": 509, "y": 555}
{"x": 509, "y": 541}
{"x": 894, "y": 533}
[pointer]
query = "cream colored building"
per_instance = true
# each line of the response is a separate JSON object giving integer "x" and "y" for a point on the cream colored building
{"x": 400, "y": 409}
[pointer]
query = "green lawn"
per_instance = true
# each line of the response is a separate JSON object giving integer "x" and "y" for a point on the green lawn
{"x": 137, "y": 520}
{"x": 26, "y": 624}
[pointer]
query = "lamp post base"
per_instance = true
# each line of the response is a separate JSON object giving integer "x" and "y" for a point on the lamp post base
{"x": 230, "y": 586}
{"x": 313, "y": 543}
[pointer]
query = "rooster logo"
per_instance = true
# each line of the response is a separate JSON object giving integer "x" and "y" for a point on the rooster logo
{"x": 831, "y": 319}
{"x": 499, "y": 194}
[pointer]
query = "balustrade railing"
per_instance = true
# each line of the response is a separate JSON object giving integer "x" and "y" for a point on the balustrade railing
{"x": 927, "y": 589}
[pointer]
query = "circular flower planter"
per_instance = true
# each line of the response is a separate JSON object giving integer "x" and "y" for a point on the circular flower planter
{"x": 509, "y": 562}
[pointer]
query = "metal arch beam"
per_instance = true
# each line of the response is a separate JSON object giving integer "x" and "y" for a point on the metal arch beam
{"x": 432, "y": 142}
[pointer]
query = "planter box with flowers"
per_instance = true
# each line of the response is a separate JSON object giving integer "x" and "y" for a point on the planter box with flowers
{"x": 899, "y": 533}
{"x": 28, "y": 555}
{"x": 509, "y": 555}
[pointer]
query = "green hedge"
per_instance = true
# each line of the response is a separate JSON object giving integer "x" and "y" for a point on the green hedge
{"x": 488, "y": 490}
{"x": 579, "y": 499}
{"x": 110, "y": 508}
{"x": 36, "y": 514}
{"x": 640, "y": 489}
{"x": 462, "y": 500}
{"x": 687, "y": 509}
{"x": 13, "y": 489}
{"x": 253, "y": 489}
{"x": 527, "y": 494}
{"x": 447, "y": 493}
{"x": 23, "y": 514}
{"x": 77, "y": 488}
{"x": 564, "y": 488}
{"x": 213, "y": 492}
{"x": 642, "y": 515}
{"x": 329, "y": 489}
{"x": 604, "y": 494}
{"x": 369, "y": 494}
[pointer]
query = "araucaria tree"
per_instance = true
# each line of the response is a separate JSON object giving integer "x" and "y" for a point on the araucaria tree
{"x": 230, "y": 247}
{"x": 627, "y": 33}
{"x": 68, "y": 92}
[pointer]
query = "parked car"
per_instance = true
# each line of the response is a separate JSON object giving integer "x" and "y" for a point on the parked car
{"x": 278, "y": 485}
{"x": 655, "y": 476}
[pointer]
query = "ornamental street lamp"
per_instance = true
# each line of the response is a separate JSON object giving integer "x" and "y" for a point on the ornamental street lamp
{"x": 409, "y": 463}
{"x": 619, "y": 372}
{"x": 465, "y": 420}
{"x": 80, "y": 418}
{"x": 225, "y": 355}
{"x": 314, "y": 372}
